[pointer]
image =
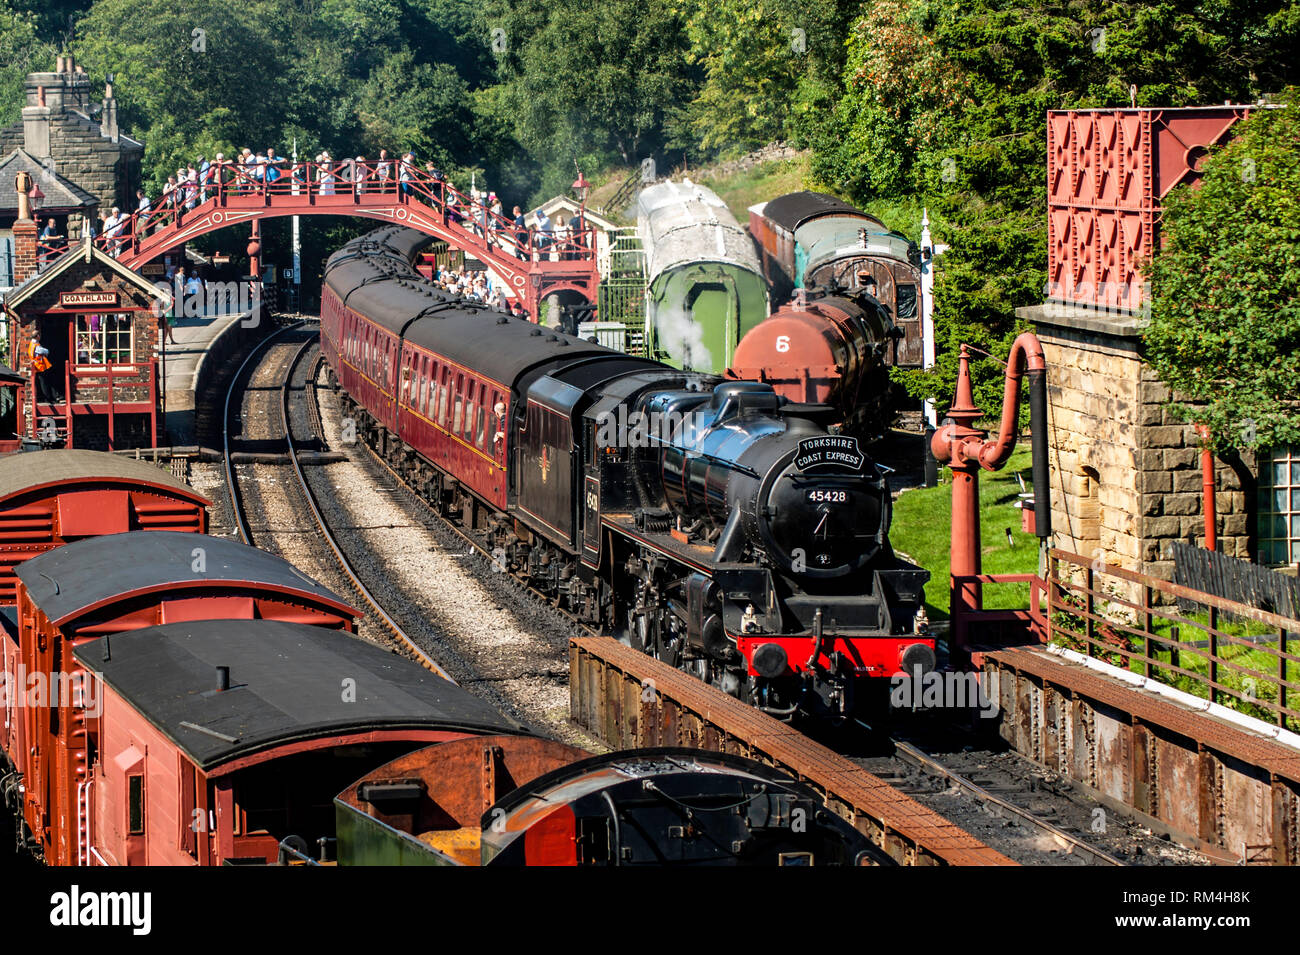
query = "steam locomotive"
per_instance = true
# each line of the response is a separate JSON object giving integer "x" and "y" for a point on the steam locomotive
{"x": 711, "y": 523}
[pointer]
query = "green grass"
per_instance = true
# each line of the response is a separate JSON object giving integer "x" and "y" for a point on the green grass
{"x": 766, "y": 181}
{"x": 922, "y": 529}
{"x": 1258, "y": 682}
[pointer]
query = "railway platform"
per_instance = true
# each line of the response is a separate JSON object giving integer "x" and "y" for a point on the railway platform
{"x": 201, "y": 344}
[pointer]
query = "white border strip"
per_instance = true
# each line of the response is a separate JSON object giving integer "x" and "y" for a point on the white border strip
{"x": 1218, "y": 710}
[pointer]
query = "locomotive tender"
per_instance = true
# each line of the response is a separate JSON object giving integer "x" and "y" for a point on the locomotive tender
{"x": 711, "y": 523}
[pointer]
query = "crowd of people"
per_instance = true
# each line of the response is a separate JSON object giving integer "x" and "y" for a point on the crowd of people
{"x": 480, "y": 211}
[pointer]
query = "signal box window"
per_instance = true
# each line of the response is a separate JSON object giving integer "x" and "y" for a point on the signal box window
{"x": 104, "y": 340}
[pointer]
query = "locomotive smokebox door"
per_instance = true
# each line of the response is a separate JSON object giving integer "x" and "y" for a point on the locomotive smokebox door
{"x": 591, "y": 521}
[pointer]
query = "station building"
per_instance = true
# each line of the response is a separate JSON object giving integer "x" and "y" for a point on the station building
{"x": 68, "y": 138}
{"x": 100, "y": 322}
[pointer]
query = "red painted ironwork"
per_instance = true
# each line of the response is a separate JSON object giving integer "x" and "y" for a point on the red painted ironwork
{"x": 1108, "y": 172}
{"x": 532, "y": 263}
{"x": 966, "y": 450}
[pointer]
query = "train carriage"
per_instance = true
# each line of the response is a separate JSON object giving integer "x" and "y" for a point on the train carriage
{"x": 48, "y": 498}
{"x": 809, "y": 240}
{"x": 704, "y": 286}
{"x": 217, "y": 742}
{"x": 103, "y": 586}
{"x": 713, "y": 524}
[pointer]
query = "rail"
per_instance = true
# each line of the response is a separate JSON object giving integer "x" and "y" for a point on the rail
{"x": 1119, "y": 616}
{"x": 630, "y": 700}
{"x": 327, "y": 535}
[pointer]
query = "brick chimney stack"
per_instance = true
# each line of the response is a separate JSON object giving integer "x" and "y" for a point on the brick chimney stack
{"x": 24, "y": 231}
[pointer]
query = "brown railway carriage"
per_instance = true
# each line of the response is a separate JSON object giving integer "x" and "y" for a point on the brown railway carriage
{"x": 808, "y": 240}
{"x": 254, "y": 759}
{"x": 49, "y": 498}
{"x": 108, "y": 585}
{"x": 435, "y": 382}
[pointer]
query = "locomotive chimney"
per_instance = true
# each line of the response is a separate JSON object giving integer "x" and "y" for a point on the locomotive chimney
{"x": 223, "y": 679}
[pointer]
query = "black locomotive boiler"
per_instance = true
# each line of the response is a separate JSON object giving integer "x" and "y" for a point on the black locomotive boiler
{"x": 711, "y": 523}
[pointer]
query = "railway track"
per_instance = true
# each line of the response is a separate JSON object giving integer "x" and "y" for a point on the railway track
{"x": 321, "y": 526}
{"x": 1026, "y": 834}
{"x": 425, "y": 592}
{"x": 1019, "y": 809}
{"x": 1049, "y": 843}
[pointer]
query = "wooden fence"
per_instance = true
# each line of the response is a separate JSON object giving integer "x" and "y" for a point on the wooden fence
{"x": 1219, "y": 649}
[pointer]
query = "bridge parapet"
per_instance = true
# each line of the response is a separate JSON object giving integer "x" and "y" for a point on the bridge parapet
{"x": 533, "y": 263}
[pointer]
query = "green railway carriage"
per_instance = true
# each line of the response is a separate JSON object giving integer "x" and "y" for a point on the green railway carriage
{"x": 704, "y": 284}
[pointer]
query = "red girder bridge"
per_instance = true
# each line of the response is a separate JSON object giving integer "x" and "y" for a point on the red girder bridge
{"x": 532, "y": 264}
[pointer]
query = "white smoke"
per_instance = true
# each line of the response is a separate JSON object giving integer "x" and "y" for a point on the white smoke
{"x": 682, "y": 338}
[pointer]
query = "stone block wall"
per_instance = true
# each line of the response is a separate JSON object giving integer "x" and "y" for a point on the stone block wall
{"x": 109, "y": 170}
{"x": 1125, "y": 474}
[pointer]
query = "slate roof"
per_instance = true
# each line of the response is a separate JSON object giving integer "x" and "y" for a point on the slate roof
{"x": 60, "y": 194}
{"x": 286, "y": 686}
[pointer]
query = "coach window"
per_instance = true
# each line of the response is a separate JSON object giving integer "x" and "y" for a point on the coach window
{"x": 135, "y": 805}
{"x": 469, "y": 412}
{"x": 456, "y": 418}
{"x": 442, "y": 396}
{"x": 905, "y": 301}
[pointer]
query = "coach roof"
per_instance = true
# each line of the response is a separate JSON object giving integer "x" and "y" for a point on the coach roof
{"x": 37, "y": 469}
{"x": 795, "y": 208}
{"x": 78, "y": 577}
{"x": 374, "y": 277}
{"x": 287, "y": 684}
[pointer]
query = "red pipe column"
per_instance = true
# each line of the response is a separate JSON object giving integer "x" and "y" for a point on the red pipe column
{"x": 1207, "y": 488}
{"x": 965, "y": 449}
{"x": 947, "y": 444}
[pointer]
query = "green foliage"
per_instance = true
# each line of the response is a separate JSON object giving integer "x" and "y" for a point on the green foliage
{"x": 587, "y": 82}
{"x": 767, "y": 69}
{"x": 22, "y": 51}
{"x": 1225, "y": 310}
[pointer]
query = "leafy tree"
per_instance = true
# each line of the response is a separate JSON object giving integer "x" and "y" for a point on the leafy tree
{"x": 179, "y": 89}
{"x": 1225, "y": 310}
{"x": 768, "y": 68}
{"x": 944, "y": 101}
{"x": 586, "y": 81}
{"x": 22, "y": 51}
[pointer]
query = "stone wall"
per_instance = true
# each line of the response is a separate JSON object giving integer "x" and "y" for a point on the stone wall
{"x": 106, "y": 169}
{"x": 1126, "y": 474}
